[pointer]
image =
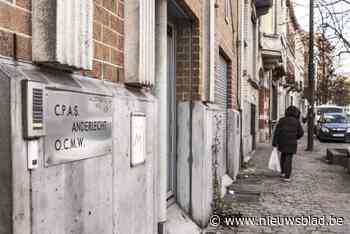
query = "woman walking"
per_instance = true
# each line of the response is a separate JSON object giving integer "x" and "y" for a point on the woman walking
{"x": 287, "y": 133}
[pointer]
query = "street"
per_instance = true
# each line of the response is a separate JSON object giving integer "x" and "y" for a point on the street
{"x": 317, "y": 189}
{"x": 156, "y": 116}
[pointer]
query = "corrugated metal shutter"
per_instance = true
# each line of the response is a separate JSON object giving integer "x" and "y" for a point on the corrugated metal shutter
{"x": 221, "y": 83}
{"x": 221, "y": 100}
{"x": 246, "y": 41}
{"x": 246, "y": 19}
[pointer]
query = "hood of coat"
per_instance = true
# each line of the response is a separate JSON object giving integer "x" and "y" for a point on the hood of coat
{"x": 292, "y": 111}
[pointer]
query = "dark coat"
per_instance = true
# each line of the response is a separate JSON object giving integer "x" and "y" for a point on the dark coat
{"x": 288, "y": 131}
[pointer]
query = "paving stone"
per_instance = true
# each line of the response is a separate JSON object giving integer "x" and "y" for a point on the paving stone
{"x": 317, "y": 189}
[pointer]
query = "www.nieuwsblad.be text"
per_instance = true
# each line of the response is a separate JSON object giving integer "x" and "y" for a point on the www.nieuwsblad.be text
{"x": 238, "y": 220}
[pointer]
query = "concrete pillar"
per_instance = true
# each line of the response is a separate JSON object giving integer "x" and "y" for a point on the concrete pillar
{"x": 5, "y": 156}
{"x": 206, "y": 49}
{"x": 162, "y": 95}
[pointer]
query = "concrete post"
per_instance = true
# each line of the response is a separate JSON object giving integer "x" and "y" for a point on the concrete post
{"x": 206, "y": 50}
{"x": 6, "y": 213}
{"x": 162, "y": 95}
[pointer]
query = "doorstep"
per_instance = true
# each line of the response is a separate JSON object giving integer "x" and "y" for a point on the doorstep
{"x": 179, "y": 222}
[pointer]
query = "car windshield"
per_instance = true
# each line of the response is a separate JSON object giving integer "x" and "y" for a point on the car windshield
{"x": 329, "y": 110}
{"x": 335, "y": 119}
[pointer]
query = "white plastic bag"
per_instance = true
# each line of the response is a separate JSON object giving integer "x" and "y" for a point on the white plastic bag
{"x": 274, "y": 162}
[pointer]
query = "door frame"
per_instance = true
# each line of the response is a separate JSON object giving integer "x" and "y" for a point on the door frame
{"x": 253, "y": 124}
{"x": 172, "y": 118}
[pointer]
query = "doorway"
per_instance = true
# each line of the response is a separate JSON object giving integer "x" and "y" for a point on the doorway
{"x": 221, "y": 98}
{"x": 253, "y": 125}
{"x": 171, "y": 114}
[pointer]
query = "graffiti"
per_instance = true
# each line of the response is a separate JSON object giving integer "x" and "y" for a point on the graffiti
{"x": 216, "y": 149}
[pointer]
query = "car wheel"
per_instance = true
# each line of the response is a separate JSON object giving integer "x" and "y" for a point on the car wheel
{"x": 318, "y": 134}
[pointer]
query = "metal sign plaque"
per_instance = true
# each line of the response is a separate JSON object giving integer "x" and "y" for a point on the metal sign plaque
{"x": 78, "y": 126}
{"x": 138, "y": 139}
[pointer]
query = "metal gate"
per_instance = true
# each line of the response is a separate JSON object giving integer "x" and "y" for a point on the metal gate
{"x": 221, "y": 100}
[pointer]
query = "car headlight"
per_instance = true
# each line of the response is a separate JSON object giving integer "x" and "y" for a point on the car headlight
{"x": 324, "y": 129}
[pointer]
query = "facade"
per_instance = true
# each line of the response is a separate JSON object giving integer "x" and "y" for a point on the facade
{"x": 161, "y": 77}
{"x": 75, "y": 165}
{"x": 284, "y": 65}
{"x": 300, "y": 66}
{"x": 273, "y": 52}
{"x": 206, "y": 143}
{"x": 294, "y": 58}
{"x": 251, "y": 72}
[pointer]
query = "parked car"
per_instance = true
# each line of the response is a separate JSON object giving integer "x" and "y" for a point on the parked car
{"x": 323, "y": 109}
{"x": 333, "y": 126}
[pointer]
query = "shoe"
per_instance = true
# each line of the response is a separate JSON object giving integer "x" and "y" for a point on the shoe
{"x": 286, "y": 179}
{"x": 283, "y": 175}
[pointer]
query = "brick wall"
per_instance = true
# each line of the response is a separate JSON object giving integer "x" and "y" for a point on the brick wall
{"x": 189, "y": 82}
{"x": 226, "y": 43}
{"x": 15, "y": 29}
{"x": 108, "y": 36}
{"x": 189, "y": 40}
{"x": 189, "y": 85}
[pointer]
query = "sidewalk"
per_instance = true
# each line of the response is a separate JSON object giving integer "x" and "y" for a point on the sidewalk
{"x": 316, "y": 189}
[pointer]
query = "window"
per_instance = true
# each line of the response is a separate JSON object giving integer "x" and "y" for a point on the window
{"x": 268, "y": 21}
{"x": 334, "y": 119}
{"x": 322, "y": 110}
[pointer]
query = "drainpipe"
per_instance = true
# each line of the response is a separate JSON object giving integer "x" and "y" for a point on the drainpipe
{"x": 212, "y": 50}
{"x": 190, "y": 159}
{"x": 162, "y": 95}
{"x": 238, "y": 45}
{"x": 240, "y": 50}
